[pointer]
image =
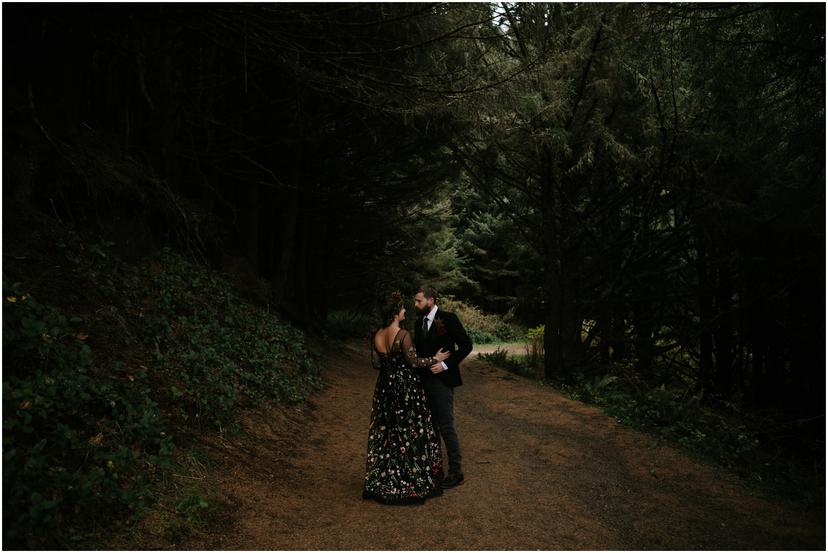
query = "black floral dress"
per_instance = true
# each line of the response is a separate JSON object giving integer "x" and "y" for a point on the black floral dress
{"x": 404, "y": 458}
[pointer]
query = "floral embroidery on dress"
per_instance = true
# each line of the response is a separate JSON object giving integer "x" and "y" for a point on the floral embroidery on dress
{"x": 404, "y": 461}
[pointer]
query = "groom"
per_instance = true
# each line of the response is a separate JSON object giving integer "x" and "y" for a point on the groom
{"x": 436, "y": 329}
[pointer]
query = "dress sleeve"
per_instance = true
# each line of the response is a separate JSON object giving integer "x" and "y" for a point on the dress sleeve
{"x": 411, "y": 353}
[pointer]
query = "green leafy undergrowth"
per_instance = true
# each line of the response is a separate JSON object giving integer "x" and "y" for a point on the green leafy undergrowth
{"x": 214, "y": 352}
{"x": 349, "y": 323}
{"x": 78, "y": 440}
{"x": 512, "y": 363}
{"x": 102, "y": 382}
{"x": 483, "y": 328}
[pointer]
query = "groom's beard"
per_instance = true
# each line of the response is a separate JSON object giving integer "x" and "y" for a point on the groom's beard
{"x": 422, "y": 312}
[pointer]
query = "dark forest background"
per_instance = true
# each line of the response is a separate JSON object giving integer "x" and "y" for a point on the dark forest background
{"x": 647, "y": 182}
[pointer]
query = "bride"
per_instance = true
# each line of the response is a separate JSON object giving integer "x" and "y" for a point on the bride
{"x": 404, "y": 457}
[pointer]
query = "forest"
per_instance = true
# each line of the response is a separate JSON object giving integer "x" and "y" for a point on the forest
{"x": 636, "y": 189}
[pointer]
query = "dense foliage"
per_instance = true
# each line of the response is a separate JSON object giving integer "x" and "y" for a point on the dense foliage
{"x": 91, "y": 416}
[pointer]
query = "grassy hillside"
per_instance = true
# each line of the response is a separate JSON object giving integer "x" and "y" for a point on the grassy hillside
{"x": 110, "y": 369}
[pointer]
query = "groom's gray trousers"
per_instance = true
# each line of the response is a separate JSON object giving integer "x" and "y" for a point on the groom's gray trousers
{"x": 441, "y": 401}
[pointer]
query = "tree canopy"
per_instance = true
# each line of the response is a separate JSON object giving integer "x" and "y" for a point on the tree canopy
{"x": 646, "y": 181}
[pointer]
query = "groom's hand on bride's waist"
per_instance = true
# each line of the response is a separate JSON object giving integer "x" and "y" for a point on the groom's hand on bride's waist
{"x": 437, "y": 368}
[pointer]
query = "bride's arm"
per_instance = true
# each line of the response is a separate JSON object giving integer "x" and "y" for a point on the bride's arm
{"x": 375, "y": 360}
{"x": 411, "y": 354}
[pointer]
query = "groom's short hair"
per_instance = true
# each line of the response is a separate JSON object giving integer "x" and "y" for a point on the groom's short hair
{"x": 428, "y": 291}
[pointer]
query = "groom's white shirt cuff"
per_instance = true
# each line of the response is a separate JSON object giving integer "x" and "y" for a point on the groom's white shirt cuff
{"x": 430, "y": 318}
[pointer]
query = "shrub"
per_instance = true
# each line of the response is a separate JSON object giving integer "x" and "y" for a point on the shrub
{"x": 217, "y": 352}
{"x": 93, "y": 403}
{"x": 535, "y": 345}
{"x": 346, "y": 323}
{"x": 76, "y": 439}
{"x": 513, "y": 363}
{"x": 481, "y": 327}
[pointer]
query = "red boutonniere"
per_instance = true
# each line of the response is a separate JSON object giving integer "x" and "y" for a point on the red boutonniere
{"x": 441, "y": 327}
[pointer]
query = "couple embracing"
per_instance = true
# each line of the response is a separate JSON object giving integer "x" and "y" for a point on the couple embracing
{"x": 413, "y": 404}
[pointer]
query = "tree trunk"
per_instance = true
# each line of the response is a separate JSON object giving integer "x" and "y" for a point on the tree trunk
{"x": 723, "y": 379}
{"x": 553, "y": 341}
{"x": 705, "y": 299}
{"x": 250, "y": 222}
{"x": 553, "y": 350}
{"x": 604, "y": 332}
{"x": 571, "y": 321}
{"x": 301, "y": 298}
{"x": 289, "y": 213}
{"x": 617, "y": 338}
{"x": 644, "y": 326}
{"x": 281, "y": 276}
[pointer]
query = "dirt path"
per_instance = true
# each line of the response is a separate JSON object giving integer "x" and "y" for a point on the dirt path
{"x": 515, "y": 348}
{"x": 542, "y": 472}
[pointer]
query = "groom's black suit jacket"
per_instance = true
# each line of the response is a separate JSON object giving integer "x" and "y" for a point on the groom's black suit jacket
{"x": 446, "y": 333}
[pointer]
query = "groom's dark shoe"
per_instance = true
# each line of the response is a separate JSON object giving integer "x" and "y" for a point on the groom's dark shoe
{"x": 453, "y": 480}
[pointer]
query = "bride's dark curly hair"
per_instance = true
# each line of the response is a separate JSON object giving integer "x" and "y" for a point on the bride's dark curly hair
{"x": 392, "y": 305}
